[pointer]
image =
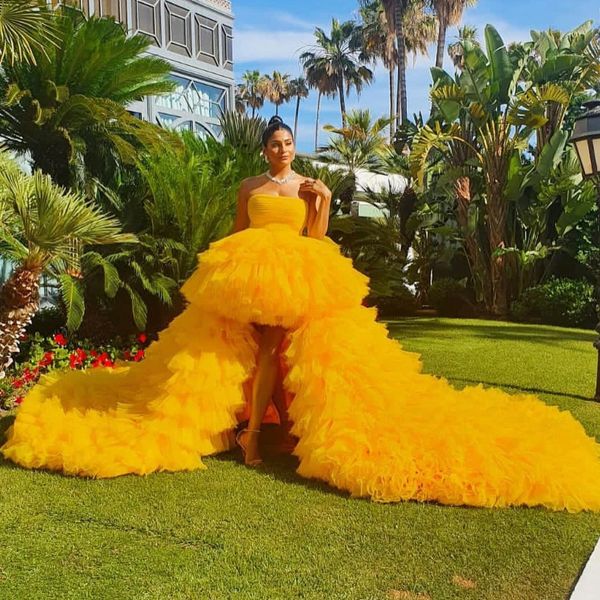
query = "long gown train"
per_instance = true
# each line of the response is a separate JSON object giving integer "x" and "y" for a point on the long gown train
{"x": 368, "y": 421}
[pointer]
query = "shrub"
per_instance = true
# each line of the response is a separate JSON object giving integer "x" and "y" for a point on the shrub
{"x": 401, "y": 303}
{"x": 450, "y": 298}
{"x": 566, "y": 302}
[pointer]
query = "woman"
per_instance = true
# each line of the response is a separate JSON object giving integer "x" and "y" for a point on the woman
{"x": 366, "y": 419}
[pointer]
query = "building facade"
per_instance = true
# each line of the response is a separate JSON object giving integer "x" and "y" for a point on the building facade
{"x": 196, "y": 38}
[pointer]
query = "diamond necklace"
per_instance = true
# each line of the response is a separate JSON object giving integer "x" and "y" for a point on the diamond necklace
{"x": 282, "y": 180}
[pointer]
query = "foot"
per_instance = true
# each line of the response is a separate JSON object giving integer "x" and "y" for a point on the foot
{"x": 247, "y": 440}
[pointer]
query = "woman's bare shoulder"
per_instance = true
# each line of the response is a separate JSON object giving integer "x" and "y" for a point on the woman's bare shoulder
{"x": 251, "y": 183}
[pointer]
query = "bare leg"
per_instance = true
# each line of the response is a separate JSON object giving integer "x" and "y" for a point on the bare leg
{"x": 263, "y": 386}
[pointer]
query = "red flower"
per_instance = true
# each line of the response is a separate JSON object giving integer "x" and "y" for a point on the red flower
{"x": 127, "y": 355}
{"x": 94, "y": 353}
{"x": 60, "y": 339}
{"x": 47, "y": 359}
{"x": 139, "y": 355}
{"x": 18, "y": 400}
{"x": 77, "y": 358}
{"x": 141, "y": 338}
{"x": 17, "y": 383}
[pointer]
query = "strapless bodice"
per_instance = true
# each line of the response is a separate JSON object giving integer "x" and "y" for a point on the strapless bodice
{"x": 277, "y": 212}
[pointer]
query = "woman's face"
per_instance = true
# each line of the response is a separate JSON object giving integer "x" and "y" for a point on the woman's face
{"x": 280, "y": 149}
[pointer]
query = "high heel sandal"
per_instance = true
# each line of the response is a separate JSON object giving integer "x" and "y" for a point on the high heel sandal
{"x": 238, "y": 440}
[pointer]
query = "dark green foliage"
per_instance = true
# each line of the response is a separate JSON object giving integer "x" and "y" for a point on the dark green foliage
{"x": 565, "y": 302}
{"x": 450, "y": 298}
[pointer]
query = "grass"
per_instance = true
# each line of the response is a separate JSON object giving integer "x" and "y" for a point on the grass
{"x": 230, "y": 532}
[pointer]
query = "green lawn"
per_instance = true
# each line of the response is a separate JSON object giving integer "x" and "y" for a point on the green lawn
{"x": 230, "y": 532}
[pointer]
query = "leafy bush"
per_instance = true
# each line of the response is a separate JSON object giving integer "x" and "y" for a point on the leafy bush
{"x": 566, "y": 302}
{"x": 401, "y": 302}
{"x": 450, "y": 298}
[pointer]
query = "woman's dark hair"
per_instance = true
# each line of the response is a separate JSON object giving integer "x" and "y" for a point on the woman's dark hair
{"x": 275, "y": 124}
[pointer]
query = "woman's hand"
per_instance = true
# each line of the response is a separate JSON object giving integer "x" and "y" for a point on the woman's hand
{"x": 311, "y": 189}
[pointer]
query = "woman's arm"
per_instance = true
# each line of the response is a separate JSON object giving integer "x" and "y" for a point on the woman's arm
{"x": 241, "y": 218}
{"x": 318, "y": 197}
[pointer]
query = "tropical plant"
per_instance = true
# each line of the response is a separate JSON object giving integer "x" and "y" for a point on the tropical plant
{"x": 335, "y": 58}
{"x": 26, "y": 28}
{"x": 358, "y": 144}
{"x": 43, "y": 229}
{"x": 298, "y": 89}
{"x": 483, "y": 120}
{"x": 68, "y": 110}
{"x": 276, "y": 88}
{"x": 448, "y": 13}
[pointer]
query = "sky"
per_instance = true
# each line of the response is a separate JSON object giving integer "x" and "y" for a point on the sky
{"x": 270, "y": 34}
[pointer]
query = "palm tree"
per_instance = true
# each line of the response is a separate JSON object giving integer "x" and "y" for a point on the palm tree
{"x": 336, "y": 58}
{"x": 456, "y": 51}
{"x": 43, "y": 229}
{"x": 395, "y": 11}
{"x": 318, "y": 78}
{"x": 69, "y": 107}
{"x": 378, "y": 43}
{"x": 414, "y": 29}
{"x": 448, "y": 13}
{"x": 359, "y": 143}
{"x": 252, "y": 89}
{"x": 241, "y": 98}
{"x": 298, "y": 89}
{"x": 26, "y": 28}
{"x": 276, "y": 88}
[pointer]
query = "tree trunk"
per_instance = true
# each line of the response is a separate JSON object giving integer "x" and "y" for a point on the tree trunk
{"x": 342, "y": 102}
{"x": 473, "y": 251}
{"x": 441, "y": 44}
{"x": 19, "y": 301}
{"x": 401, "y": 97}
{"x": 276, "y": 109}
{"x": 392, "y": 105}
{"x": 317, "y": 121}
{"x": 296, "y": 117}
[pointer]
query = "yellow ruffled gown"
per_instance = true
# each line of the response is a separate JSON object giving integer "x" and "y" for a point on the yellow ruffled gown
{"x": 367, "y": 420}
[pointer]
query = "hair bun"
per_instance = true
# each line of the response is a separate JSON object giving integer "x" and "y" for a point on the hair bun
{"x": 275, "y": 119}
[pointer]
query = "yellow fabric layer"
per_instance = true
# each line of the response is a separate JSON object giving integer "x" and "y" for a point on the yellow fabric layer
{"x": 163, "y": 413}
{"x": 368, "y": 420}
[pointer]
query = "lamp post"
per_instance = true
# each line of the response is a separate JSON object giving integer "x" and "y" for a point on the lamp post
{"x": 586, "y": 138}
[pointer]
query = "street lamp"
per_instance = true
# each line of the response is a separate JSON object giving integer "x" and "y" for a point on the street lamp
{"x": 586, "y": 138}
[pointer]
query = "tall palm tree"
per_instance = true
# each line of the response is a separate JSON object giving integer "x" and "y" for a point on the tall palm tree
{"x": 276, "y": 88}
{"x": 26, "y": 28}
{"x": 318, "y": 78}
{"x": 378, "y": 43}
{"x": 414, "y": 29}
{"x": 395, "y": 11}
{"x": 298, "y": 89}
{"x": 43, "y": 229}
{"x": 448, "y": 13}
{"x": 252, "y": 89}
{"x": 69, "y": 107}
{"x": 336, "y": 57}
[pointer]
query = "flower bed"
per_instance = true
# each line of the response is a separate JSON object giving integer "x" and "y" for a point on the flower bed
{"x": 41, "y": 354}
